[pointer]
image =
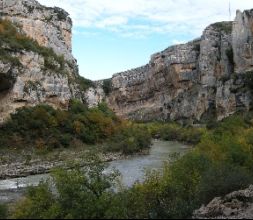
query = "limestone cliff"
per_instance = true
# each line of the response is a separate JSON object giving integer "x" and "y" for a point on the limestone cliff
{"x": 202, "y": 80}
{"x": 36, "y": 64}
{"x": 50, "y": 27}
{"x": 194, "y": 82}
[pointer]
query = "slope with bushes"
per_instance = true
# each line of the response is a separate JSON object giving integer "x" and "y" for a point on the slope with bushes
{"x": 43, "y": 127}
{"x": 222, "y": 162}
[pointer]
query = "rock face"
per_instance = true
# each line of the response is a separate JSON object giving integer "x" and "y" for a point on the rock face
{"x": 243, "y": 41}
{"x": 50, "y": 27}
{"x": 194, "y": 82}
{"x": 191, "y": 83}
{"x": 39, "y": 78}
{"x": 237, "y": 205}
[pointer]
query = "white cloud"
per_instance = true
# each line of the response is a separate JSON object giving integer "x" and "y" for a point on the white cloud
{"x": 144, "y": 17}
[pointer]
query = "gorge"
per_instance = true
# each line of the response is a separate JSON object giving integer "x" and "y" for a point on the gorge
{"x": 189, "y": 83}
{"x": 198, "y": 93}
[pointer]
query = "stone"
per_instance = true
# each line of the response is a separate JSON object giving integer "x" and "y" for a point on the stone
{"x": 50, "y": 27}
{"x": 191, "y": 83}
{"x": 236, "y": 205}
{"x": 32, "y": 83}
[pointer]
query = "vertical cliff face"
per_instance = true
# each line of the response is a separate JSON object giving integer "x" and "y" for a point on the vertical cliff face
{"x": 36, "y": 63}
{"x": 194, "y": 82}
{"x": 243, "y": 41}
{"x": 50, "y": 27}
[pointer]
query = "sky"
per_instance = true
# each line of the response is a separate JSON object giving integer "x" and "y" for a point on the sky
{"x": 111, "y": 36}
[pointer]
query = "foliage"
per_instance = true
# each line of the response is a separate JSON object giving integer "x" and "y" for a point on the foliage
{"x": 107, "y": 86}
{"x": 222, "y": 162}
{"x": 129, "y": 140}
{"x": 47, "y": 128}
{"x": 81, "y": 194}
{"x": 248, "y": 76}
{"x": 174, "y": 132}
{"x": 83, "y": 83}
{"x": 223, "y": 26}
{"x": 13, "y": 40}
{"x": 224, "y": 179}
{"x": 3, "y": 211}
{"x": 230, "y": 55}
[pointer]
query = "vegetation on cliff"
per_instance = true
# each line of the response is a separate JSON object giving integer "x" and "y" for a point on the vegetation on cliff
{"x": 13, "y": 40}
{"x": 222, "y": 162}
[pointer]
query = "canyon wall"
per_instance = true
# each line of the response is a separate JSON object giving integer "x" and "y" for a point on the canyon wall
{"x": 205, "y": 79}
{"x": 194, "y": 82}
{"x": 47, "y": 73}
{"x": 50, "y": 27}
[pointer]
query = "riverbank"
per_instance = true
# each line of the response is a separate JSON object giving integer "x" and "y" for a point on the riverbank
{"x": 35, "y": 167}
{"x": 44, "y": 163}
{"x": 132, "y": 169}
{"x": 24, "y": 169}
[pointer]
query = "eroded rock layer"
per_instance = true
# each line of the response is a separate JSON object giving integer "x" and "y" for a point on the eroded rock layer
{"x": 206, "y": 79}
{"x": 41, "y": 68}
{"x": 194, "y": 82}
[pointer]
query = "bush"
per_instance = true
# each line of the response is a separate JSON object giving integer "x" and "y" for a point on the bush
{"x": 83, "y": 83}
{"x": 3, "y": 212}
{"x": 248, "y": 76}
{"x": 130, "y": 140}
{"x": 11, "y": 36}
{"x": 44, "y": 127}
{"x": 81, "y": 194}
{"x": 221, "y": 163}
{"x": 221, "y": 179}
{"x": 174, "y": 132}
{"x": 224, "y": 27}
{"x": 107, "y": 86}
{"x": 230, "y": 55}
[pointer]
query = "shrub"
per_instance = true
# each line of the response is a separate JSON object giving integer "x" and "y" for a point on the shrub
{"x": 81, "y": 194}
{"x": 130, "y": 140}
{"x": 107, "y": 86}
{"x": 3, "y": 212}
{"x": 221, "y": 179}
{"x": 46, "y": 127}
{"x": 11, "y": 36}
{"x": 224, "y": 27}
{"x": 248, "y": 76}
{"x": 174, "y": 132}
{"x": 83, "y": 83}
{"x": 221, "y": 163}
{"x": 230, "y": 55}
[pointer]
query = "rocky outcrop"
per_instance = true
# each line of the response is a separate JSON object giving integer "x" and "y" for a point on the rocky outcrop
{"x": 243, "y": 41}
{"x": 237, "y": 205}
{"x": 50, "y": 27}
{"x": 194, "y": 82}
{"x": 37, "y": 75}
{"x": 190, "y": 83}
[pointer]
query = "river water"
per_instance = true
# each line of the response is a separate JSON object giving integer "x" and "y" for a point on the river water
{"x": 132, "y": 169}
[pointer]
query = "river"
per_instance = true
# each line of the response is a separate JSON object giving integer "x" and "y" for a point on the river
{"x": 132, "y": 169}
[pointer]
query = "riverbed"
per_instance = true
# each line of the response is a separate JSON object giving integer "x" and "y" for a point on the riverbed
{"x": 132, "y": 169}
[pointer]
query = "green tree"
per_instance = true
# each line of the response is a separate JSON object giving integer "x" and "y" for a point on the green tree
{"x": 81, "y": 193}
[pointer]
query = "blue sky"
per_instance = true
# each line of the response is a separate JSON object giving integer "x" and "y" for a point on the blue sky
{"x": 110, "y": 36}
